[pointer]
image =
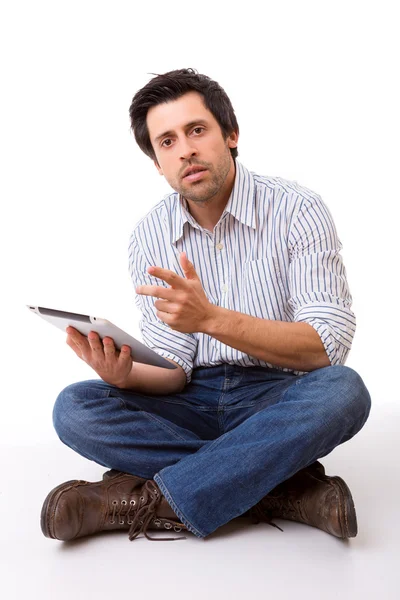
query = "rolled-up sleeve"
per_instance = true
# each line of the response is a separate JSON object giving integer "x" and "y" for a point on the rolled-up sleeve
{"x": 319, "y": 292}
{"x": 157, "y": 335}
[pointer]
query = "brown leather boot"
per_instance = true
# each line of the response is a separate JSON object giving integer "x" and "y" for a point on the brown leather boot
{"x": 121, "y": 501}
{"x": 313, "y": 498}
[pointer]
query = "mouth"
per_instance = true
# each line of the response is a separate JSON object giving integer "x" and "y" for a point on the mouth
{"x": 194, "y": 174}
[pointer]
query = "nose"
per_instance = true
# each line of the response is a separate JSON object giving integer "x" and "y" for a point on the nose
{"x": 187, "y": 149}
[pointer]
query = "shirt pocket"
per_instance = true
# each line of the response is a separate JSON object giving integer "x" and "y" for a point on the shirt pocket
{"x": 263, "y": 289}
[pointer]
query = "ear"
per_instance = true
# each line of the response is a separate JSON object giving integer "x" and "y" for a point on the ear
{"x": 159, "y": 169}
{"x": 233, "y": 139}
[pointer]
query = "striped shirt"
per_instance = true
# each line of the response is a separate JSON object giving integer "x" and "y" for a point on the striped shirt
{"x": 274, "y": 254}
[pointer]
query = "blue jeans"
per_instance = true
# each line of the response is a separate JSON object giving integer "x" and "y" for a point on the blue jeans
{"x": 219, "y": 446}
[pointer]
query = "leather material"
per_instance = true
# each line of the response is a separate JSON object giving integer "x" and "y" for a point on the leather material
{"x": 78, "y": 508}
{"x": 312, "y": 498}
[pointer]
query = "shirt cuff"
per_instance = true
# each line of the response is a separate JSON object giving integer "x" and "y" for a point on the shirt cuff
{"x": 187, "y": 368}
{"x": 337, "y": 352}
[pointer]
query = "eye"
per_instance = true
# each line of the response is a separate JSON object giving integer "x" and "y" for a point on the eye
{"x": 198, "y": 129}
{"x": 166, "y": 140}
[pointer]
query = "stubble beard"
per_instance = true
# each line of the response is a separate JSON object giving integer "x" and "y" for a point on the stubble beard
{"x": 203, "y": 192}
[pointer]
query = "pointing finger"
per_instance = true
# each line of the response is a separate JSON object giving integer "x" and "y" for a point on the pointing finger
{"x": 168, "y": 276}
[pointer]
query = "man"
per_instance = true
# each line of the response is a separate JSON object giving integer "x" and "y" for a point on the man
{"x": 241, "y": 284}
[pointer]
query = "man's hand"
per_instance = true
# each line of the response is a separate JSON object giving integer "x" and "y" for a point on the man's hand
{"x": 184, "y": 306}
{"x": 112, "y": 366}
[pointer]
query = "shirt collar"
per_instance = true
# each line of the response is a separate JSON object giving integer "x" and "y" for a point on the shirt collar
{"x": 241, "y": 204}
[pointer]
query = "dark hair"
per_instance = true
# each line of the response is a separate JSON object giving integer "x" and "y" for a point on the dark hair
{"x": 171, "y": 86}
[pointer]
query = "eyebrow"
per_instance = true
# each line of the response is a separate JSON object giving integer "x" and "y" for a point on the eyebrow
{"x": 187, "y": 126}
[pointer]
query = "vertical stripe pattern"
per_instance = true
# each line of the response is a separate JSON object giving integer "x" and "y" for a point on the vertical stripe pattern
{"x": 274, "y": 254}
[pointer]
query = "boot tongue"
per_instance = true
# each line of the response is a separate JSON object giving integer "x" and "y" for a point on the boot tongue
{"x": 164, "y": 511}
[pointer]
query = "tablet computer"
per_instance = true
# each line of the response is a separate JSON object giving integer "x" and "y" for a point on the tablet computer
{"x": 84, "y": 324}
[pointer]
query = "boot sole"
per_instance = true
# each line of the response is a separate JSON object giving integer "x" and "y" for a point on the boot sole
{"x": 347, "y": 510}
{"x": 46, "y": 521}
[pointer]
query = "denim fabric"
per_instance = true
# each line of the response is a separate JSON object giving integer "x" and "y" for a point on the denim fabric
{"x": 225, "y": 441}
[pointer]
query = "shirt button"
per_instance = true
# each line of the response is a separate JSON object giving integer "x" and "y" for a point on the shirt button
{"x": 224, "y": 288}
{"x": 220, "y": 246}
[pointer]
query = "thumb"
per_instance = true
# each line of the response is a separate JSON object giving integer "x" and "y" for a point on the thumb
{"x": 187, "y": 266}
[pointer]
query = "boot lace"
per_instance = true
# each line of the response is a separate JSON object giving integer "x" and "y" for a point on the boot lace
{"x": 281, "y": 506}
{"x": 146, "y": 512}
{"x": 257, "y": 514}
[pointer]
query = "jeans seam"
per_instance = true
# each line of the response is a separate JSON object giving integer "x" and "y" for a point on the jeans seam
{"x": 174, "y": 433}
{"x": 183, "y": 404}
{"x": 187, "y": 405}
{"x": 297, "y": 380}
{"x": 174, "y": 507}
{"x": 228, "y": 408}
{"x": 151, "y": 416}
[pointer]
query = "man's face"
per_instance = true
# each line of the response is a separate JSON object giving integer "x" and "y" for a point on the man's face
{"x": 184, "y": 134}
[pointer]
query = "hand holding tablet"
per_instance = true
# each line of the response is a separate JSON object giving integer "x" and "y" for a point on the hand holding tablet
{"x": 112, "y": 366}
{"x": 100, "y": 346}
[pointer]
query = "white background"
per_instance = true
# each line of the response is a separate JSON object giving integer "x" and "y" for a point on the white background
{"x": 314, "y": 85}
